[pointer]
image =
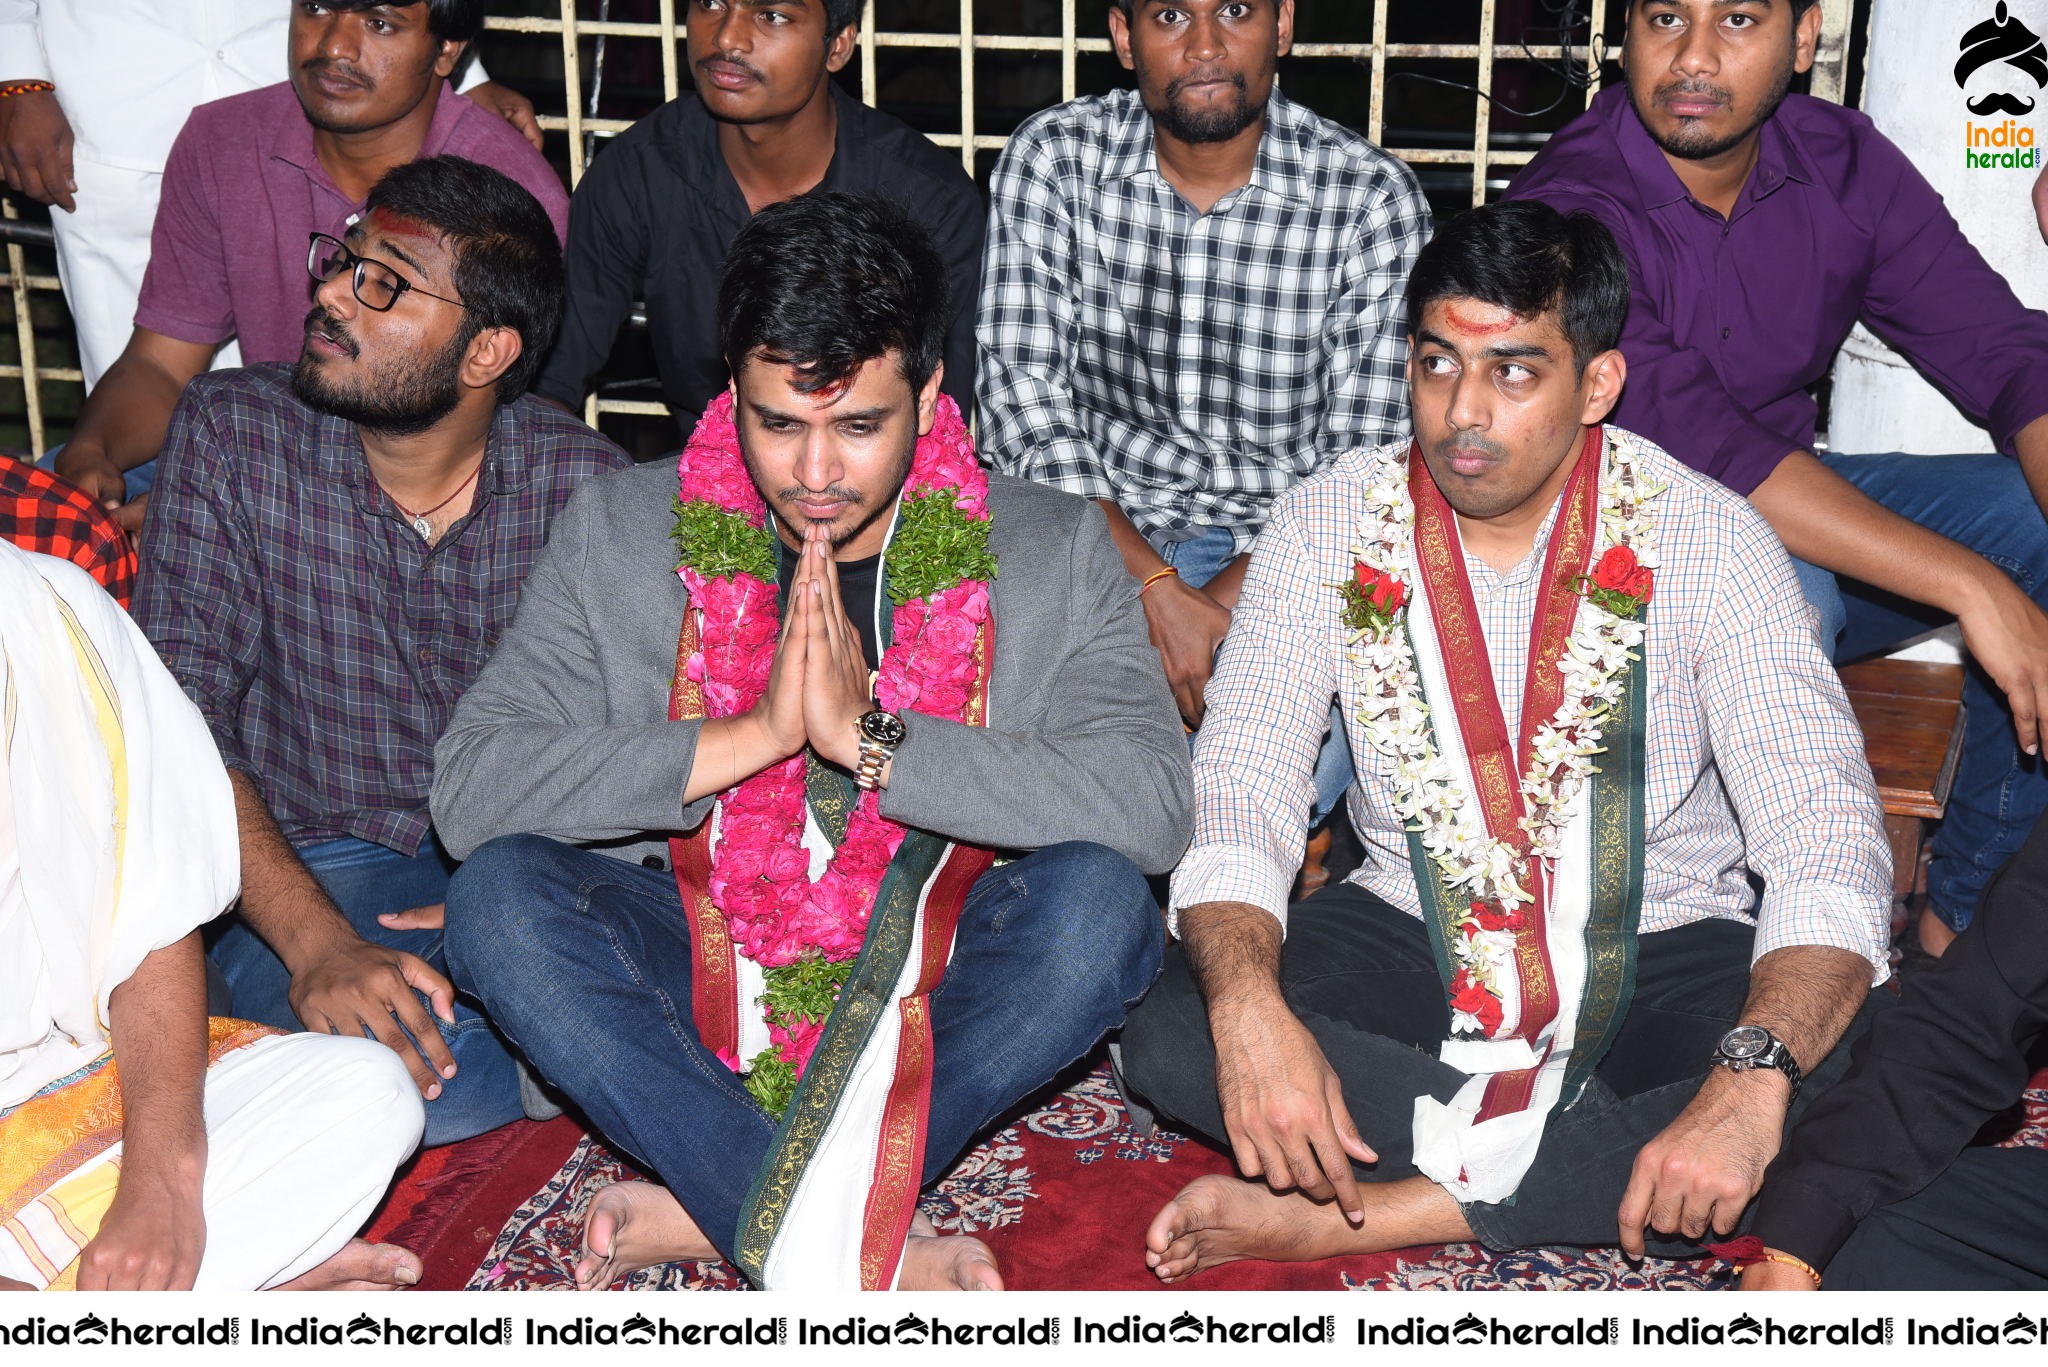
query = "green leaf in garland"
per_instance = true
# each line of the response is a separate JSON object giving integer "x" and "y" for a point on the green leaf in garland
{"x": 935, "y": 547}
{"x": 804, "y": 990}
{"x": 716, "y": 543}
{"x": 771, "y": 1081}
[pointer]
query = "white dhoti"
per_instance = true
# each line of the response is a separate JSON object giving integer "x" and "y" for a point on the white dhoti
{"x": 302, "y": 1135}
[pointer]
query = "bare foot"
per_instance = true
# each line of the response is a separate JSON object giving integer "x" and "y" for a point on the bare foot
{"x": 360, "y": 1266}
{"x": 631, "y": 1225}
{"x": 1217, "y": 1220}
{"x": 936, "y": 1262}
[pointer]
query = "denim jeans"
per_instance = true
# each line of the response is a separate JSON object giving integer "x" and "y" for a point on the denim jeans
{"x": 584, "y": 961}
{"x": 1983, "y": 503}
{"x": 365, "y": 880}
{"x": 1203, "y": 558}
{"x": 1360, "y": 975}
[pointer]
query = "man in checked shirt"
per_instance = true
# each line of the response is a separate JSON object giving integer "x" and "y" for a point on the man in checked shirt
{"x": 333, "y": 551}
{"x": 1191, "y": 302}
{"x": 1588, "y": 705}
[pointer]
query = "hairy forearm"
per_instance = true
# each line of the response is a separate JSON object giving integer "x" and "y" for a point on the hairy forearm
{"x": 157, "y": 1020}
{"x": 281, "y": 899}
{"x": 1806, "y": 995}
{"x": 1233, "y": 950}
{"x": 1824, "y": 519}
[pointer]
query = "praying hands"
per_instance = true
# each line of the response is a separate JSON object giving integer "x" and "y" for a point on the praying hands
{"x": 818, "y": 687}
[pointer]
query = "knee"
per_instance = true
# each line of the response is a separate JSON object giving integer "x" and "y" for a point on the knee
{"x": 1167, "y": 1026}
{"x": 359, "y": 1097}
{"x": 1096, "y": 913}
{"x": 500, "y": 903}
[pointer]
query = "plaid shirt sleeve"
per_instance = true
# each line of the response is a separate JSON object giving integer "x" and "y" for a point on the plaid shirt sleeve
{"x": 1367, "y": 329}
{"x": 1791, "y": 756}
{"x": 40, "y": 512}
{"x": 197, "y": 597}
{"x": 1028, "y": 327}
{"x": 1268, "y": 706}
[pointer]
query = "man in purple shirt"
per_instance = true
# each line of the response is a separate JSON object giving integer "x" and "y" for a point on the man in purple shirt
{"x": 1758, "y": 228}
{"x": 334, "y": 549}
{"x": 250, "y": 176}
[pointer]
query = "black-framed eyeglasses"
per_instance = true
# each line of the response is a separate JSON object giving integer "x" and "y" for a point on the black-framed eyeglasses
{"x": 376, "y": 285}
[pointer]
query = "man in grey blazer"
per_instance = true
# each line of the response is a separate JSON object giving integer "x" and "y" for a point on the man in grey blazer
{"x": 569, "y": 790}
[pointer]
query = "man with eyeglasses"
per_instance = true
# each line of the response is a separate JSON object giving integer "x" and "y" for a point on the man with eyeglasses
{"x": 334, "y": 550}
{"x": 250, "y": 176}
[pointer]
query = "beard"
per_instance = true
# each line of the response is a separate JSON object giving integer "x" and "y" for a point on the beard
{"x": 1690, "y": 141}
{"x": 400, "y": 401}
{"x": 863, "y": 507}
{"x": 1216, "y": 124}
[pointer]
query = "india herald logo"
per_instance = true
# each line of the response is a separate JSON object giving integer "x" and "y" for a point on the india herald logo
{"x": 1996, "y": 48}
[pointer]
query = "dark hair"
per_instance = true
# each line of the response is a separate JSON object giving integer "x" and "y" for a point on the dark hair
{"x": 452, "y": 21}
{"x": 838, "y": 14}
{"x": 508, "y": 264}
{"x": 1527, "y": 257}
{"x": 828, "y": 281}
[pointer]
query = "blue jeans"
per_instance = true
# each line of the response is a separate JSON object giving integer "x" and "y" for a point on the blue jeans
{"x": 1983, "y": 503}
{"x": 366, "y": 880}
{"x": 584, "y": 960}
{"x": 1203, "y": 558}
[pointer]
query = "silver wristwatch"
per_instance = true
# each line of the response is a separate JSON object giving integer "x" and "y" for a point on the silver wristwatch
{"x": 1751, "y": 1046}
{"x": 880, "y": 733}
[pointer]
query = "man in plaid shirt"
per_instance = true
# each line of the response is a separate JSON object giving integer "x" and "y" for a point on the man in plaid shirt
{"x": 333, "y": 551}
{"x": 1191, "y": 302}
{"x": 1557, "y": 1064}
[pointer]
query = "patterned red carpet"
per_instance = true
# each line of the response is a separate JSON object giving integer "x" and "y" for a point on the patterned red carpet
{"x": 1062, "y": 1197}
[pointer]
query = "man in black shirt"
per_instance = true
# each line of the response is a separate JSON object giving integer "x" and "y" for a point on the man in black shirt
{"x": 654, "y": 215}
{"x": 1886, "y": 1145}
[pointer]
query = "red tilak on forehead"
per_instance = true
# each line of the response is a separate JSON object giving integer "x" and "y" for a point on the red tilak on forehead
{"x": 1466, "y": 323}
{"x": 398, "y": 225}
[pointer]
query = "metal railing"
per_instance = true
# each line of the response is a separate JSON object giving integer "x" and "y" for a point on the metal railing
{"x": 1372, "y": 51}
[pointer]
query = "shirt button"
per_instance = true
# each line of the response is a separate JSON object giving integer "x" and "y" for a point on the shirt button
{"x": 654, "y": 861}
{"x": 1725, "y": 332}
{"x": 426, "y": 656}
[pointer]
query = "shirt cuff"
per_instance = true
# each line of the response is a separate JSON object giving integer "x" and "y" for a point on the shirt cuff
{"x": 1229, "y": 873}
{"x": 1830, "y": 916}
{"x": 24, "y": 48}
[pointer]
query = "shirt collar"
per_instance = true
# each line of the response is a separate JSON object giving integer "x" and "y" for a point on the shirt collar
{"x": 1279, "y": 169}
{"x": 1777, "y": 159}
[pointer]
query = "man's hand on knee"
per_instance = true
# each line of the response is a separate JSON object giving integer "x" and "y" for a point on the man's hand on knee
{"x": 355, "y": 987}
{"x": 1706, "y": 1167}
{"x": 1283, "y": 1106}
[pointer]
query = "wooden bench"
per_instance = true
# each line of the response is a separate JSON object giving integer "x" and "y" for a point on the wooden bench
{"x": 1912, "y": 718}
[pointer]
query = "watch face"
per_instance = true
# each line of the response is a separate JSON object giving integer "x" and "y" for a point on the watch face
{"x": 1745, "y": 1041}
{"x": 883, "y": 728}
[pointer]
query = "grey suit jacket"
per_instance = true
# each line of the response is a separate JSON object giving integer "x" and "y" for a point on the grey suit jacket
{"x": 565, "y": 733}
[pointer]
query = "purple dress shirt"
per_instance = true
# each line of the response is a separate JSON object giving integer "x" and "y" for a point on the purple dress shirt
{"x": 324, "y": 642}
{"x": 243, "y": 187}
{"x": 1732, "y": 320}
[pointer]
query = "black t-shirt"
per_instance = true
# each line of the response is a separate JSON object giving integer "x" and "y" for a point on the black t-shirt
{"x": 856, "y": 590}
{"x": 652, "y": 219}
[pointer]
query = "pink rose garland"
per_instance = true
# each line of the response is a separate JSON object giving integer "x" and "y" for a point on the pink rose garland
{"x": 760, "y": 869}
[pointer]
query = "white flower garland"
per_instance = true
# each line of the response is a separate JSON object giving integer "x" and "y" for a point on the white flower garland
{"x": 1433, "y": 800}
